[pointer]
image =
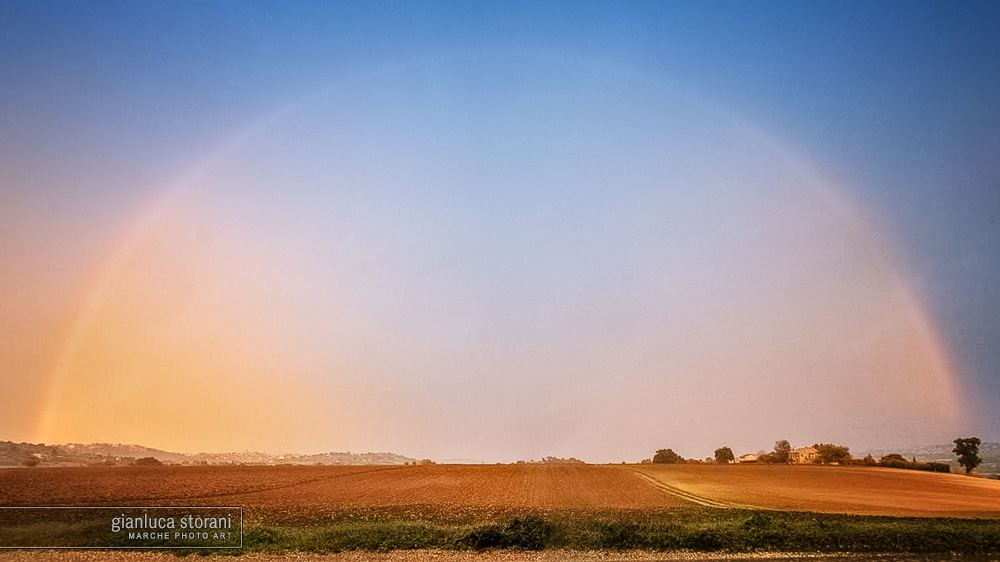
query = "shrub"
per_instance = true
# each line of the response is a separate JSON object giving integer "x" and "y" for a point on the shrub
{"x": 526, "y": 533}
{"x": 895, "y": 460}
{"x": 934, "y": 466}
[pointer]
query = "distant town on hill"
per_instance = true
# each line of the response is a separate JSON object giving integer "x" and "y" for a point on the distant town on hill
{"x": 106, "y": 454}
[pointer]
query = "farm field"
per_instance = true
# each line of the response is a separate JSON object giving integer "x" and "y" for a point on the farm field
{"x": 835, "y": 489}
{"x": 161, "y": 485}
{"x": 474, "y": 488}
{"x": 523, "y": 487}
{"x": 470, "y": 488}
{"x": 559, "y": 506}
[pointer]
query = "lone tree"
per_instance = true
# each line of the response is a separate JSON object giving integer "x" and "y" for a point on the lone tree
{"x": 724, "y": 455}
{"x": 780, "y": 455}
{"x": 967, "y": 449}
{"x": 782, "y": 451}
{"x": 667, "y": 456}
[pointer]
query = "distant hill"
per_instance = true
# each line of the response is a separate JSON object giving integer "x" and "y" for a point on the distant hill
{"x": 96, "y": 454}
{"x": 990, "y": 453}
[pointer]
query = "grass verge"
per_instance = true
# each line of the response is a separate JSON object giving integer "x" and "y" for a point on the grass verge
{"x": 696, "y": 530}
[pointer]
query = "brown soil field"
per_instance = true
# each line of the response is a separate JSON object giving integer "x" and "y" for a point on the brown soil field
{"x": 481, "y": 490}
{"x": 469, "y": 490}
{"x": 475, "y": 489}
{"x": 835, "y": 489}
{"x": 154, "y": 485}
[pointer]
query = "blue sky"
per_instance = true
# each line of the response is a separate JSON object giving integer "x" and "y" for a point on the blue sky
{"x": 525, "y": 146}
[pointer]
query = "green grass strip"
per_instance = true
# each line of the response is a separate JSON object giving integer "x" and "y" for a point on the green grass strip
{"x": 697, "y": 530}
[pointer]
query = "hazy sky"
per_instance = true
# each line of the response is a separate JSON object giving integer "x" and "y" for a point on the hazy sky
{"x": 499, "y": 231}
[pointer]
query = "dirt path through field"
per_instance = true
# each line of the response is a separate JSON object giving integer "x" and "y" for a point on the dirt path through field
{"x": 831, "y": 489}
{"x": 688, "y": 496}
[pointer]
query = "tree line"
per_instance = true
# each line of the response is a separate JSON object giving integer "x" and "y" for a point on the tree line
{"x": 966, "y": 450}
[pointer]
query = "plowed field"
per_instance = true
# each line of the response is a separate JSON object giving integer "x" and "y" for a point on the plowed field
{"x": 532, "y": 487}
{"x": 154, "y": 485}
{"x": 468, "y": 489}
{"x": 474, "y": 489}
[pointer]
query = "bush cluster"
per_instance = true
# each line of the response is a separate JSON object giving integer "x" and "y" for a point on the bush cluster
{"x": 523, "y": 533}
{"x": 895, "y": 460}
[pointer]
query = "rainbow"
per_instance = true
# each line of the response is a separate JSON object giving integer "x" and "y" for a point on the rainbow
{"x": 148, "y": 357}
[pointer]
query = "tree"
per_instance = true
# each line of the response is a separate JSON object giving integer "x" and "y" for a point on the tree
{"x": 667, "y": 456}
{"x": 830, "y": 453}
{"x": 893, "y": 460}
{"x": 724, "y": 455}
{"x": 780, "y": 455}
{"x": 782, "y": 450}
{"x": 967, "y": 449}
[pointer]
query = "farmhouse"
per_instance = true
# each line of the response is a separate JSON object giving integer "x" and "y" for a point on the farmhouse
{"x": 747, "y": 458}
{"x": 805, "y": 455}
